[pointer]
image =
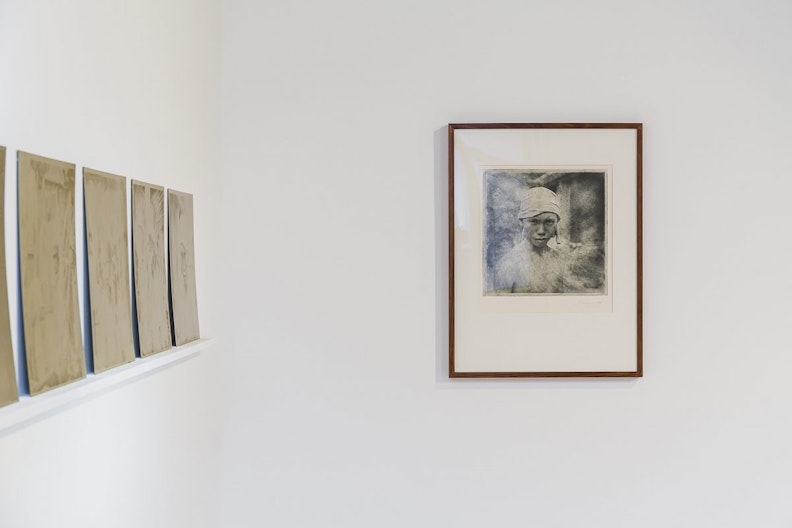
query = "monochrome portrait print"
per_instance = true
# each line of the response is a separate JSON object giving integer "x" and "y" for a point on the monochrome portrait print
{"x": 545, "y": 231}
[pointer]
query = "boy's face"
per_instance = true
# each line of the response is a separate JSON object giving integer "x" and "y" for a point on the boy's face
{"x": 540, "y": 228}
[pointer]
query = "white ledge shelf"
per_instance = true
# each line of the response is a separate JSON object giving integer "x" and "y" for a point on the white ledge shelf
{"x": 30, "y": 409}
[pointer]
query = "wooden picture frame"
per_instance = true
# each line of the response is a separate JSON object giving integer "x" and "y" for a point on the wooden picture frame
{"x": 545, "y": 268}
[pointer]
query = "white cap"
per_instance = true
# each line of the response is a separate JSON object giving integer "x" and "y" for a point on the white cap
{"x": 538, "y": 200}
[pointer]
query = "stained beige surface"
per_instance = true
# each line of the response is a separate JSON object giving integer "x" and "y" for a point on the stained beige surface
{"x": 8, "y": 385}
{"x": 151, "y": 285}
{"x": 50, "y": 309}
{"x": 182, "y": 267}
{"x": 108, "y": 269}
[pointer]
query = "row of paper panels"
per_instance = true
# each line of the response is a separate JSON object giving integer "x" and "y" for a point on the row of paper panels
{"x": 53, "y": 345}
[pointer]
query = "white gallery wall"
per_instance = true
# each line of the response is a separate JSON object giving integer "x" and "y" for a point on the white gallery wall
{"x": 339, "y": 412}
{"x": 131, "y": 88}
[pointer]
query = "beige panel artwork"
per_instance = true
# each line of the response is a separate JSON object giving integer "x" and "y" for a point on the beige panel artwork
{"x": 8, "y": 385}
{"x": 182, "y": 267}
{"x": 151, "y": 283}
{"x": 50, "y": 309}
{"x": 108, "y": 269}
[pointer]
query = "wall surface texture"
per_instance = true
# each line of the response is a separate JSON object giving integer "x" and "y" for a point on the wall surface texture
{"x": 340, "y": 413}
{"x": 131, "y": 88}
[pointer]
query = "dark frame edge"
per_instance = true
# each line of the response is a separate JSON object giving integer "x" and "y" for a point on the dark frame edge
{"x": 639, "y": 247}
{"x": 451, "y": 372}
{"x": 637, "y": 126}
{"x": 597, "y": 374}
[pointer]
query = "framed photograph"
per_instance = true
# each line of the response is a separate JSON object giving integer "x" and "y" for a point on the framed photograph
{"x": 545, "y": 250}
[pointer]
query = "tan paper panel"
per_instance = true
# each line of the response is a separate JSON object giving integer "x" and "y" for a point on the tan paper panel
{"x": 108, "y": 269}
{"x": 182, "y": 267}
{"x": 50, "y": 309}
{"x": 151, "y": 282}
{"x": 8, "y": 386}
